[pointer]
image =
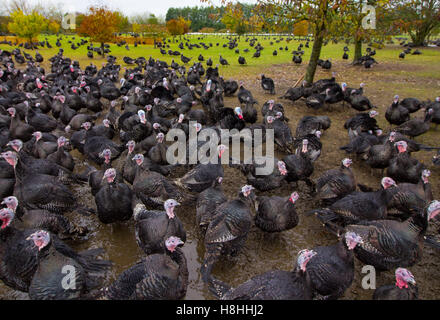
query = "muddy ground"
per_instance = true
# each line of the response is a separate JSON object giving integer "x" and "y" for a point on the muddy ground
{"x": 264, "y": 252}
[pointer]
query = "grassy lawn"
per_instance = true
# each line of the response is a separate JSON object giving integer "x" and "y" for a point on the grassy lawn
{"x": 426, "y": 65}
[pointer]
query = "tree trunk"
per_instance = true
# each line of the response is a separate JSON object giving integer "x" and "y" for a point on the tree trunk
{"x": 357, "y": 50}
{"x": 419, "y": 37}
{"x": 31, "y": 43}
{"x": 102, "y": 49}
{"x": 316, "y": 52}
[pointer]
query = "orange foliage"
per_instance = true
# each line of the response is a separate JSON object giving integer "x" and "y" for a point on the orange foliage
{"x": 100, "y": 24}
{"x": 178, "y": 26}
{"x": 301, "y": 28}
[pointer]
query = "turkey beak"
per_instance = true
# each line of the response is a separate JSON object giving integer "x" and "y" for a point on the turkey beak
{"x": 411, "y": 280}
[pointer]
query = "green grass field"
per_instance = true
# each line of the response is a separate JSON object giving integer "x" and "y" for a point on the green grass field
{"x": 430, "y": 56}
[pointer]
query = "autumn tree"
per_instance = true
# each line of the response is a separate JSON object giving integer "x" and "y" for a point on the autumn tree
{"x": 420, "y": 18}
{"x": 157, "y": 31}
{"x": 100, "y": 24}
{"x": 200, "y": 17}
{"x": 318, "y": 13}
{"x": 186, "y": 24}
{"x": 123, "y": 23}
{"x": 79, "y": 18}
{"x": 174, "y": 28}
{"x": 4, "y": 20}
{"x": 233, "y": 18}
{"x": 254, "y": 23}
{"x": 178, "y": 26}
{"x": 360, "y": 22}
{"x": 301, "y": 28}
{"x": 136, "y": 27}
{"x": 53, "y": 27}
{"x": 152, "y": 19}
{"x": 26, "y": 26}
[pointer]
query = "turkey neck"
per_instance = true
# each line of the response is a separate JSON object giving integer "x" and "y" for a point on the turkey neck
{"x": 143, "y": 168}
{"x": 152, "y": 113}
{"x": 344, "y": 252}
{"x": 402, "y": 158}
{"x": 346, "y": 170}
{"x": 179, "y": 257}
{"x": 246, "y": 200}
{"x": 389, "y": 145}
{"x": 306, "y": 281}
{"x": 427, "y": 190}
{"x": 60, "y": 152}
{"x": 15, "y": 122}
{"x": 7, "y": 233}
{"x": 20, "y": 169}
{"x": 113, "y": 185}
{"x": 305, "y": 155}
{"x": 47, "y": 251}
{"x": 394, "y": 105}
{"x": 36, "y": 145}
{"x": 428, "y": 117}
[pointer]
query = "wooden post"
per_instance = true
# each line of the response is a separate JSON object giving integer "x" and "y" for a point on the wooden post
{"x": 300, "y": 78}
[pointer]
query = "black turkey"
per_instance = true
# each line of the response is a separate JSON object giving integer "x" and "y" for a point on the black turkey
{"x": 228, "y": 230}
{"x": 61, "y": 156}
{"x": 29, "y": 219}
{"x": 362, "y": 122}
{"x": 207, "y": 202}
{"x": 404, "y": 201}
{"x": 311, "y": 124}
{"x": 202, "y": 175}
{"x": 272, "y": 285}
{"x": 396, "y": 113}
{"x": 388, "y": 244}
{"x": 403, "y": 167}
{"x": 243, "y": 94}
{"x": 416, "y": 127}
{"x": 39, "y": 191}
{"x": 404, "y": 289}
{"x": 265, "y": 173}
{"x": 156, "y": 277}
{"x": 152, "y": 228}
{"x": 359, "y": 102}
{"x": 282, "y": 133}
{"x": 267, "y": 84}
{"x": 314, "y": 145}
{"x": 335, "y": 184}
{"x": 19, "y": 129}
{"x": 380, "y": 155}
{"x": 357, "y": 206}
{"x": 48, "y": 282}
{"x": 293, "y": 94}
{"x": 152, "y": 188}
{"x": 276, "y": 214}
{"x": 113, "y": 200}
{"x": 411, "y": 104}
{"x": 331, "y": 269}
{"x": 299, "y": 166}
